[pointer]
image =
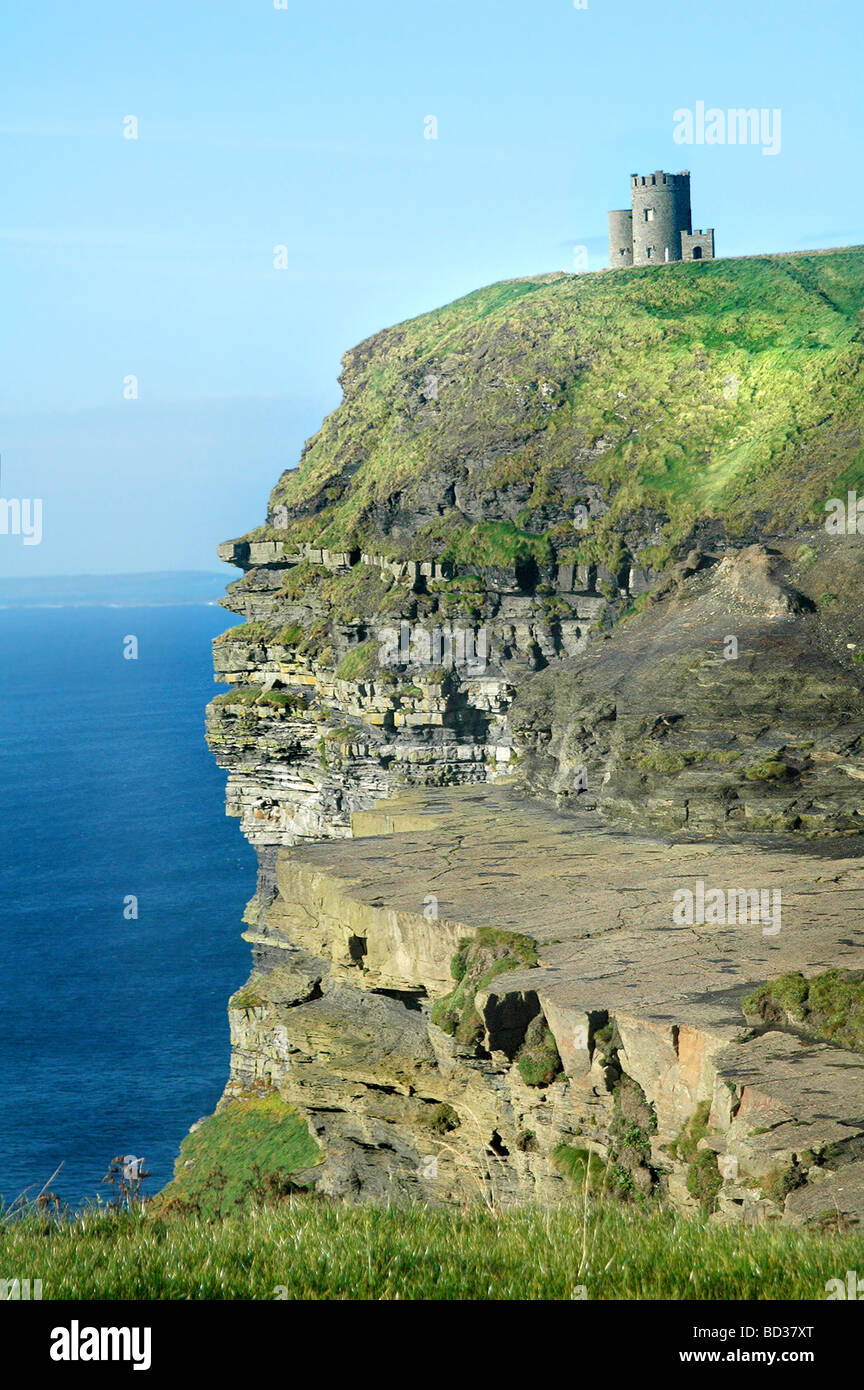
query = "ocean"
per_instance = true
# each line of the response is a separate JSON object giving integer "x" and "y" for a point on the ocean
{"x": 113, "y": 1035}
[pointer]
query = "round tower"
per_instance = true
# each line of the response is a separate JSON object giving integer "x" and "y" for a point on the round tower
{"x": 620, "y": 238}
{"x": 661, "y": 212}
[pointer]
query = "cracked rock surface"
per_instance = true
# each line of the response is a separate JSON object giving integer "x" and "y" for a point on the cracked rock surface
{"x": 374, "y": 921}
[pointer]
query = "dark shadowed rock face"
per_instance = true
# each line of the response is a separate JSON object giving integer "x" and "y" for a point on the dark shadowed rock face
{"x": 731, "y": 703}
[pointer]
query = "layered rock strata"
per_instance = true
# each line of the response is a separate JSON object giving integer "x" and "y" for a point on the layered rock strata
{"x": 566, "y": 532}
{"x": 731, "y": 702}
{"x": 354, "y": 677}
{"x": 660, "y": 1078}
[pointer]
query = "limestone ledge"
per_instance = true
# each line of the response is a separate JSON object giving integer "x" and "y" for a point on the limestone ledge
{"x": 249, "y": 553}
{"x": 352, "y": 942}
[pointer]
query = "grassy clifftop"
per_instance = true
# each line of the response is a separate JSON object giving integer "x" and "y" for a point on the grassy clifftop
{"x": 731, "y": 390}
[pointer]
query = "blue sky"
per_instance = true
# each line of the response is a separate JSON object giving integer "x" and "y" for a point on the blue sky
{"x": 303, "y": 127}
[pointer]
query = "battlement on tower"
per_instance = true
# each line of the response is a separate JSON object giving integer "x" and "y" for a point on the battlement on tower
{"x": 660, "y": 178}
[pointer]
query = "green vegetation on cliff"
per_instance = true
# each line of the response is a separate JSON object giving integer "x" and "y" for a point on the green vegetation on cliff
{"x": 475, "y": 965}
{"x": 265, "y": 700}
{"x": 538, "y": 1060}
{"x": 731, "y": 389}
{"x": 247, "y": 1151}
{"x": 360, "y": 663}
{"x": 580, "y": 1166}
{"x": 829, "y": 1006}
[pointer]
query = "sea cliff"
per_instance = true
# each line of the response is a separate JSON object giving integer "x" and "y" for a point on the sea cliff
{"x": 545, "y": 629}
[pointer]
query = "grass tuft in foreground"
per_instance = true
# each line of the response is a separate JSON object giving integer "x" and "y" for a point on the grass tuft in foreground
{"x": 308, "y": 1248}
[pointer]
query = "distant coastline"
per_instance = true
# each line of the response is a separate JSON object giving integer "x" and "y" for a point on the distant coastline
{"x": 99, "y": 603}
{"x": 156, "y": 589}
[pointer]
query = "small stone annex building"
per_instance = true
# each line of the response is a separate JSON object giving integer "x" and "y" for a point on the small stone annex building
{"x": 657, "y": 227}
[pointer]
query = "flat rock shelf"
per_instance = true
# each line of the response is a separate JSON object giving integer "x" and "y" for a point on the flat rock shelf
{"x": 418, "y": 1076}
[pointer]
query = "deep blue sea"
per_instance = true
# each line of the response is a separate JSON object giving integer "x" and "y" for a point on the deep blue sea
{"x": 113, "y": 1032}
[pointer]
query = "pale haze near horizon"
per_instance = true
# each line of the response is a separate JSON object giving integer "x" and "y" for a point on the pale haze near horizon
{"x": 303, "y": 128}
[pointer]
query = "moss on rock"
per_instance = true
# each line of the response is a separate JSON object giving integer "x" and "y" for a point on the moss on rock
{"x": 475, "y": 965}
{"x": 443, "y": 1119}
{"x": 246, "y": 1151}
{"x": 828, "y": 1006}
{"x": 704, "y": 1180}
{"x": 538, "y": 1060}
{"x": 360, "y": 663}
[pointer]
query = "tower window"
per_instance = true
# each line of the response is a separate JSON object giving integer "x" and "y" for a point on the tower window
{"x": 649, "y": 214}
{"x": 649, "y": 252}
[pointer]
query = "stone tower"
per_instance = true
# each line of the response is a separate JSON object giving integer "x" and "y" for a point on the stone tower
{"x": 661, "y": 212}
{"x": 657, "y": 227}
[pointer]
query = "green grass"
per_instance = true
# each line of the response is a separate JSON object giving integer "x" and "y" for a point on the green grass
{"x": 772, "y": 769}
{"x": 282, "y": 700}
{"x": 345, "y": 734}
{"x": 459, "y": 597}
{"x": 248, "y": 1149}
{"x": 483, "y": 543}
{"x": 245, "y": 632}
{"x": 619, "y": 376}
{"x": 315, "y": 1249}
{"x": 248, "y": 695}
{"x": 686, "y": 1145}
{"x": 360, "y": 663}
{"x": 475, "y": 965}
{"x": 538, "y": 1060}
{"x": 253, "y": 695}
{"x": 704, "y": 1181}
{"x": 302, "y": 576}
{"x": 363, "y": 590}
{"x": 829, "y": 1007}
{"x": 247, "y": 997}
{"x": 579, "y": 1165}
